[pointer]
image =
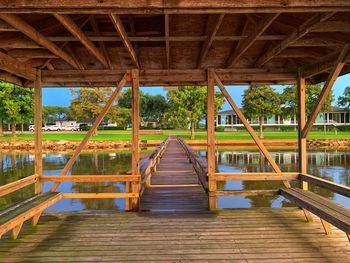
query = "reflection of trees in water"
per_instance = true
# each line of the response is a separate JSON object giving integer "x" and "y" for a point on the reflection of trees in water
{"x": 261, "y": 200}
{"x": 114, "y": 163}
{"x": 97, "y": 204}
{"x": 14, "y": 167}
{"x": 318, "y": 163}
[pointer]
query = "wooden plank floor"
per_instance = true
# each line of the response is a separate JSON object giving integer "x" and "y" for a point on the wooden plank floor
{"x": 238, "y": 235}
{"x": 165, "y": 194}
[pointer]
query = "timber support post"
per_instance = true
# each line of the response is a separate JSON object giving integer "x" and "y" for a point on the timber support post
{"x": 212, "y": 184}
{"x": 38, "y": 162}
{"x": 135, "y": 162}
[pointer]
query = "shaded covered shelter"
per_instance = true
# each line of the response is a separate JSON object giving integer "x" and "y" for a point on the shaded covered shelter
{"x": 176, "y": 42}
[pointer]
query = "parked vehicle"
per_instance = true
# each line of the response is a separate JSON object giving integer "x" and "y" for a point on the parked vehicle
{"x": 52, "y": 128}
{"x": 71, "y": 128}
{"x": 31, "y": 128}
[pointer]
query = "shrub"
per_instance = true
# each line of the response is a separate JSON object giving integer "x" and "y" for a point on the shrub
{"x": 220, "y": 129}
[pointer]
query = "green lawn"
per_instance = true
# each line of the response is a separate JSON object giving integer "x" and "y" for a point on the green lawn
{"x": 200, "y": 135}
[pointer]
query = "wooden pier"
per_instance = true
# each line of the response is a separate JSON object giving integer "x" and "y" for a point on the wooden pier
{"x": 173, "y": 191}
{"x": 238, "y": 235}
{"x": 174, "y": 185}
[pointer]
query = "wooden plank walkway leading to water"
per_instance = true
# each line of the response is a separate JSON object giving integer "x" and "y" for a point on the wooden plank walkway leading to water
{"x": 174, "y": 185}
{"x": 238, "y": 235}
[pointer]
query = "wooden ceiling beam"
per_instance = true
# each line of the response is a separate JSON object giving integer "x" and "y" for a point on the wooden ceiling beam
{"x": 97, "y": 31}
{"x": 172, "y": 75}
{"x": 211, "y": 31}
{"x": 167, "y": 42}
{"x": 172, "y": 6}
{"x": 4, "y": 76}
{"x": 120, "y": 29}
{"x": 300, "y": 32}
{"x": 15, "y": 67}
{"x": 36, "y": 36}
{"x": 322, "y": 65}
{"x": 72, "y": 27}
{"x": 245, "y": 44}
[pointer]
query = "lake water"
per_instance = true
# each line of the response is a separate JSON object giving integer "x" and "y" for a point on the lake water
{"x": 330, "y": 165}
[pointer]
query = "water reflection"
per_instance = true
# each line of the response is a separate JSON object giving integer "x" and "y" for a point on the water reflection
{"x": 330, "y": 165}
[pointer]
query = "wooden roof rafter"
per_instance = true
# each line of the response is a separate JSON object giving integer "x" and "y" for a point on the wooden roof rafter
{"x": 211, "y": 31}
{"x": 245, "y": 44}
{"x": 120, "y": 28}
{"x": 36, "y": 36}
{"x": 72, "y": 27}
{"x": 300, "y": 32}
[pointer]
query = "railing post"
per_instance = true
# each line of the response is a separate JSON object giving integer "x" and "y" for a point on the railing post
{"x": 135, "y": 163}
{"x": 212, "y": 185}
{"x": 301, "y": 125}
{"x": 38, "y": 162}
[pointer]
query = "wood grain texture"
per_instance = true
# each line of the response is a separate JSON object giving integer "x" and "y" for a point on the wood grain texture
{"x": 239, "y": 235}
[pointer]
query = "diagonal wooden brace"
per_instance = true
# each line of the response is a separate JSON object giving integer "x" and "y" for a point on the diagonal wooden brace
{"x": 326, "y": 89}
{"x": 97, "y": 122}
{"x": 249, "y": 128}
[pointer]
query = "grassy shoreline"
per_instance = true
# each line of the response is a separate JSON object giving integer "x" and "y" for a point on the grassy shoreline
{"x": 200, "y": 135}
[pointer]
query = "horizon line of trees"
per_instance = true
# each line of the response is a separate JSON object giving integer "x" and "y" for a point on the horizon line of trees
{"x": 182, "y": 108}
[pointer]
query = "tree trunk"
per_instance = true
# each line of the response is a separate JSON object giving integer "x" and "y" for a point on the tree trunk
{"x": 192, "y": 130}
{"x": 13, "y": 128}
{"x": 261, "y": 121}
{"x": 1, "y": 128}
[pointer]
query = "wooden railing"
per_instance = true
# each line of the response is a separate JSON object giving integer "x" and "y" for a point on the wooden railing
{"x": 326, "y": 184}
{"x": 149, "y": 163}
{"x": 17, "y": 185}
{"x": 199, "y": 163}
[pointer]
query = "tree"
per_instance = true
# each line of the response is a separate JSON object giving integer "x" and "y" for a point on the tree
{"x": 261, "y": 102}
{"x": 344, "y": 101}
{"x": 152, "y": 107}
{"x": 16, "y": 104}
{"x": 187, "y": 105}
{"x": 55, "y": 113}
{"x": 289, "y": 100}
{"x": 89, "y": 102}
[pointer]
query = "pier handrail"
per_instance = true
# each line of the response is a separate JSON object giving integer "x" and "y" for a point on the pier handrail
{"x": 199, "y": 163}
{"x": 326, "y": 184}
{"x": 149, "y": 163}
{"x": 17, "y": 185}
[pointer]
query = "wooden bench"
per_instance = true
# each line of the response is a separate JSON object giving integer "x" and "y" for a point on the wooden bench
{"x": 327, "y": 210}
{"x": 12, "y": 218}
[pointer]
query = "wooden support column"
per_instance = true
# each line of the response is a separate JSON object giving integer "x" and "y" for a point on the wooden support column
{"x": 97, "y": 122}
{"x": 38, "y": 162}
{"x": 301, "y": 125}
{"x": 302, "y": 141}
{"x": 135, "y": 163}
{"x": 212, "y": 184}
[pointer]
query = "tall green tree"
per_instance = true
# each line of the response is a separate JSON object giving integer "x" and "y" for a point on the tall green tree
{"x": 289, "y": 100}
{"x": 188, "y": 106}
{"x": 344, "y": 100}
{"x": 55, "y": 113}
{"x": 152, "y": 107}
{"x": 88, "y": 103}
{"x": 16, "y": 105}
{"x": 261, "y": 102}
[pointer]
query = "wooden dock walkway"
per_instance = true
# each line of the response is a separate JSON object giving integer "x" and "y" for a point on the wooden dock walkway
{"x": 174, "y": 185}
{"x": 238, "y": 235}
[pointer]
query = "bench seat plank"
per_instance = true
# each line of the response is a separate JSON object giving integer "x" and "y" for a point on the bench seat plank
{"x": 14, "y": 216}
{"x": 326, "y": 209}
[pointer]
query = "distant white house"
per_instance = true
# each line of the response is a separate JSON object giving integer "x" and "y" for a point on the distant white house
{"x": 336, "y": 117}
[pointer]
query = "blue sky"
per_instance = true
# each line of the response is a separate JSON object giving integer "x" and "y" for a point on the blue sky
{"x": 62, "y": 96}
